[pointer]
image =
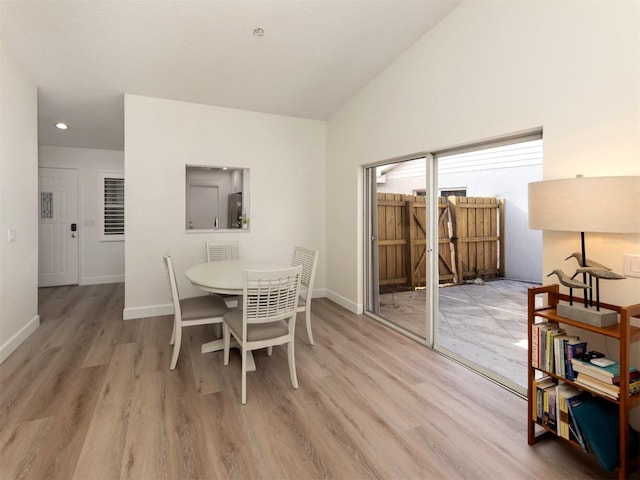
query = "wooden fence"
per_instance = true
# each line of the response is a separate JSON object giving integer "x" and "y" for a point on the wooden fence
{"x": 470, "y": 240}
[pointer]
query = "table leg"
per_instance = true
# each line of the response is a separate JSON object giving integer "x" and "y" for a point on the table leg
{"x": 217, "y": 345}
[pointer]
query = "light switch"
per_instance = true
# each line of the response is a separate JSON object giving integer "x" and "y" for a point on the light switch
{"x": 11, "y": 235}
{"x": 631, "y": 265}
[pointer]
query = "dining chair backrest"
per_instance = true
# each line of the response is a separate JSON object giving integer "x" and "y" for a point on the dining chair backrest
{"x": 222, "y": 250}
{"x": 309, "y": 260}
{"x": 269, "y": 296}
{"x": 189, "y": 312}
{"x": 173, "y": 285}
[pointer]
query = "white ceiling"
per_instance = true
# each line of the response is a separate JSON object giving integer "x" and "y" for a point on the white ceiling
{"x": 313, "y": 57}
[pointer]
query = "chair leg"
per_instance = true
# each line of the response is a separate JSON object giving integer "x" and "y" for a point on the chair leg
{"x": 176, "y": 346}
{"x": 226, "y": 335}
{"x": 307, "y": 315}
{"x": 292, "y": 365}
{"x": 244, "y": 375}
{"x": 173, "y": 334}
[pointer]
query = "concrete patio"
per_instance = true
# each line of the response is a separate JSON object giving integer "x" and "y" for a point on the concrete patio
{"x": 485, "y": 322}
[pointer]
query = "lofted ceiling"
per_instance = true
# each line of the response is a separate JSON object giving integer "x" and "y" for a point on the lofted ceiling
{"x": 314, "y": 55}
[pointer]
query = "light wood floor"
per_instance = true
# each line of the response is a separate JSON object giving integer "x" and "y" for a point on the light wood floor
{"x": 89, "y": 396}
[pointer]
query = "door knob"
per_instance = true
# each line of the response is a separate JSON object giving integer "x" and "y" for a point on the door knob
{"x": 74, "y": 235}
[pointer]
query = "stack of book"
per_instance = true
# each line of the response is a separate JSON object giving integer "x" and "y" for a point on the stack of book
{"x": 604, "y": 380}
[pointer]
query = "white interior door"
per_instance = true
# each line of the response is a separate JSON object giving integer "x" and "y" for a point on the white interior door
{"x": 58, "y": 227}
{"x": 203, "y": 207}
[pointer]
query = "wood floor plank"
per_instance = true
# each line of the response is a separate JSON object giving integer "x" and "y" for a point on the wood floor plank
{"x": 22, "y": 380}
{"x": 71, "y": 413}
{"x": 20, "y": 445}
{"x": 102, "y": 453}
{"x": 146, "y": 448}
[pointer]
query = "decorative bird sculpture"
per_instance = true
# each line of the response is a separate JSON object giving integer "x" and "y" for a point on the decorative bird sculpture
{"x": 598, "y": 273}
{"x": 567, "y": 281}
{"x": 589, "y": 262}
{"x": 584, "y": 264}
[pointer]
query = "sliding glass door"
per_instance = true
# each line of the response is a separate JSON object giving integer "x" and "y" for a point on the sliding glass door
{"x": 449, "y": 253}
{"x": 397, "y": 245}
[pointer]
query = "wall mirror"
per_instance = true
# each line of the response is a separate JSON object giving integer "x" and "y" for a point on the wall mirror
{"x": 217, "y": 198}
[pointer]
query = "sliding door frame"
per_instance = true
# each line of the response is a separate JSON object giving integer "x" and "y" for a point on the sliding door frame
{"x": 371, "y": 267}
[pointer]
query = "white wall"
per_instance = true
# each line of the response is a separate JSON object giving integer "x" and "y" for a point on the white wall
{"x": 18, "y": 204}
{"x": 100, "y": 261}
{"x": 286, "y": 158}
{"x": 486, "y": 70}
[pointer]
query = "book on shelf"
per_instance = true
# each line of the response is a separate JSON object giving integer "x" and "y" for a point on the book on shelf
{"x": 633, "y": 377}
{"x": 550, "y": 415}
{"x": 565, "y": 347}
{"x": 542, "y": 341}
{"x": 541, "y": 407}
{"x": 576, "y": 399}
{"x": 535, "y": 345}
{"x": 598, "y": 421}
{"x": 573, "y": 347}
{"x": 606, "y": 374}
{"x": 549, "y": 357}
{"x": 559, "y": 367}
{"x": 564, "y": 391}
{"x": 538, "y": 342}
{"x": 608, "y": 389}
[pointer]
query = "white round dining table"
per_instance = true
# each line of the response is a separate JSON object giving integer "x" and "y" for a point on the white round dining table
{"x": 226, "y": 277}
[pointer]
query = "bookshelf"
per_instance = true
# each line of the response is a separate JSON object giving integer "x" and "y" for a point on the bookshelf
{"x": 623, "y": 332}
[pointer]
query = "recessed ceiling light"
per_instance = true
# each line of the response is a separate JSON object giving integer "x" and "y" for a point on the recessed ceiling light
{"x": 61, "y": 126}
{"x": 258, "y": 32}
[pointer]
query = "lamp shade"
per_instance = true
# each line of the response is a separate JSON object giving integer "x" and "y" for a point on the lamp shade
{"x": 586, "y": 204}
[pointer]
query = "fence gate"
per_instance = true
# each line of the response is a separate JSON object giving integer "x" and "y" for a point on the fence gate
{"x": 470, "y": 232}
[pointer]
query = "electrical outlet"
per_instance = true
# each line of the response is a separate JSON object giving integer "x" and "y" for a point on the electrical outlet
{"x": 631, "y": 265}
{"x": 11, "y": 235}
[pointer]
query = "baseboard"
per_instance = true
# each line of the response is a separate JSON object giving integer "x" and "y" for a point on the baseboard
{"x": 100, "y": 279}
{"x": 319, "y": 293}
{"x": 356, "y": 308}
{"x": 14, "y": 342}
{"x": 133, "y": 313}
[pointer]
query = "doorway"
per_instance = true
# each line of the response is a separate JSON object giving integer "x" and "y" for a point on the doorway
{"x": 454, "y": 271}
{"x": 58, "y": 227}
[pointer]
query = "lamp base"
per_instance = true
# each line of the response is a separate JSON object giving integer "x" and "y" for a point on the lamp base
{"x": 598, "y": 318}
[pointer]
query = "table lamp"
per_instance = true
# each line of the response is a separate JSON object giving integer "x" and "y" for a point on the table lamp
{"x": 586, "y": 204}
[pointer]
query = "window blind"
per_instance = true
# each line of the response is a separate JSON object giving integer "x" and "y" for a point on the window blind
{"x": 113, "y": 206}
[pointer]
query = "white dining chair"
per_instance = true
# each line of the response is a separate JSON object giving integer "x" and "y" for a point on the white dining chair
{"x": 188, "y": 312}
{"x": 267, "y": 317}
{"x": 222, "y": 250}
{"x": 309, "y": 260}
